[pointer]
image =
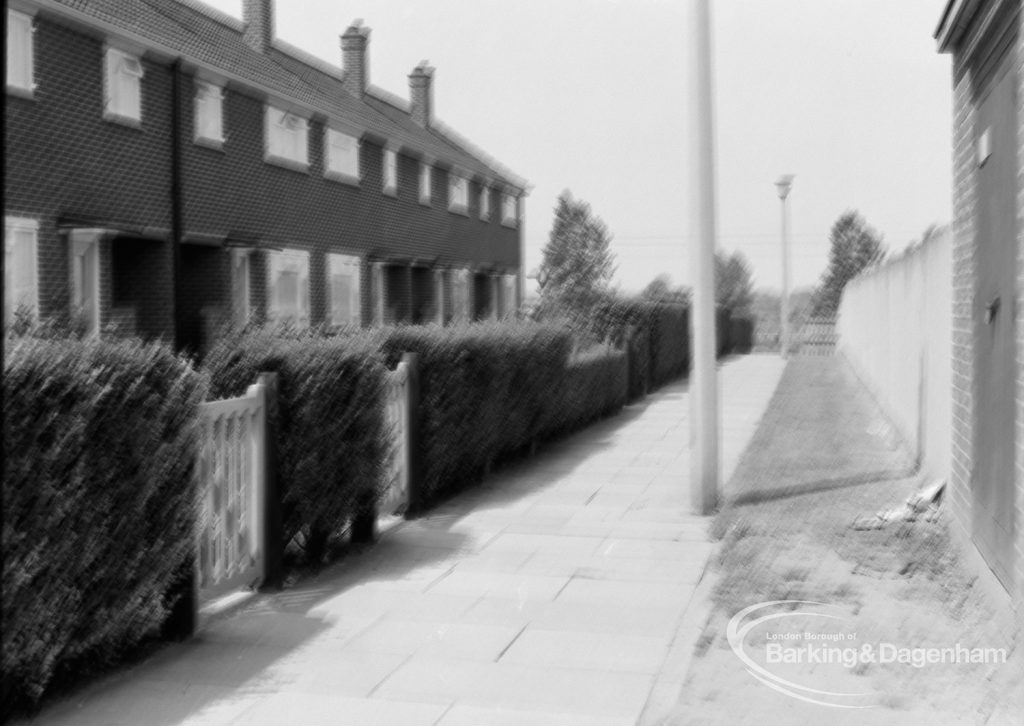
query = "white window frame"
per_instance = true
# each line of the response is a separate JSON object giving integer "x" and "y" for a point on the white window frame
{"x": 20, "y": 292}
{"x": 389, "y": 172}
{"x": 209, "y": 113}
{"x": 288, "y": 261}
{"x": 485, "y": 203}
{"x": 509, "y": 210}
{"x": 339, "y": 164}
{"x": 20, "y": 37}
{"x": 339, "y": 264}
{"x": 426, "y": 183}
{"x": 122, "y": 86}
{"x": 458, "y": 193}
{"x": 241, "y": 287}
{"x": 285, "y": 138}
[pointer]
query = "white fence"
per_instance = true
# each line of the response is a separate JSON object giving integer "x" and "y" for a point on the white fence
{"x": 895, "y": 328}
{"x": 818, "y": 336}
{"x": 395, "y": 498}
{"x": 231, "y": 487}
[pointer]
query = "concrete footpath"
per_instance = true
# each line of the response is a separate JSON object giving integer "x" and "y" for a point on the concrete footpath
{"x": 552, "y": 594}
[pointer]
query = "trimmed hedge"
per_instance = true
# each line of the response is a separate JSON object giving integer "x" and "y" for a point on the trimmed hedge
{"x": 661, "y": 338}
{"x": 100, "y": 446}
{"x": 593, "y": 385}
{"x": 485, "y": 391}
{"x": 330, "y": 430}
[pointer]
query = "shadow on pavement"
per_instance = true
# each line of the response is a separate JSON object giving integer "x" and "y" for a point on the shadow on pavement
{"x": 758, "y": 496}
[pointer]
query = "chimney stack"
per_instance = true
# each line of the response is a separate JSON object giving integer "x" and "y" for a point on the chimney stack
{"x": 421, "y": 95}
{"x": 354, "y": 59}
{"x": 259, "y": 24}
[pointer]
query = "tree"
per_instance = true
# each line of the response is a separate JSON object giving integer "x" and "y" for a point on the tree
{"x": 661, "y": 289}
{"x": 734, "y": 285}
{"x": 854, "y": 246}
{"x": 578, "y": 263}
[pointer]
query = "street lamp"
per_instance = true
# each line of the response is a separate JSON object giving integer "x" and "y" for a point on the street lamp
{"x": 784, "y": 184}
{"x": 704, "y": 450}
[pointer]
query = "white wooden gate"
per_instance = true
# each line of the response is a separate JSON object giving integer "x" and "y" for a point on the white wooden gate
{"x": 395, "y": 497}
{"x": 231, "y": 491}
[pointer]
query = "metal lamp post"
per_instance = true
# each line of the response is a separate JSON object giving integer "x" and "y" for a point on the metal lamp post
{"x": 784, "y": 184}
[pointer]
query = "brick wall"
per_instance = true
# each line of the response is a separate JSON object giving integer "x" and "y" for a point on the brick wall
{"x": 963, "y": 298}
{"x": 964, "y": 279}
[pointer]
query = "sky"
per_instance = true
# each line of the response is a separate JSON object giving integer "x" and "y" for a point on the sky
{"x": 591, "y": 96}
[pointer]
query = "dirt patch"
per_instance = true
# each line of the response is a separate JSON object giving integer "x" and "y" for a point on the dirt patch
{"x": 884, "y": 595}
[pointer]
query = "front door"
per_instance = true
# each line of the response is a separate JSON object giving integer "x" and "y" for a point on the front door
{"x": 994, "y": 316}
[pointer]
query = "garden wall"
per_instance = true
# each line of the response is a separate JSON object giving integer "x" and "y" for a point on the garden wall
{"x": 895, "y": 329}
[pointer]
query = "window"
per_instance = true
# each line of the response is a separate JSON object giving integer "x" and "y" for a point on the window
{"x": 460, "y": 295}
{"x": 509, "y": 215}
{"x": 209, "y": 105}
{"x": 287, "y": 137}
{"x": 390, "y": 172}
{"x": 20, "y": 52}
{"x": 288, "y": 287}
{"x": 343, "y": 290}
{"x": 485, "y": 203}
{"x": 425, "y": 181}
{"x": 458, "y": 195}
{"x": 123, "y": 89}
{"x": 240, "y": 300}
{"x": 341, "y": 153}
{"x": 85, "y": 281}
{"x": 21, "y": 292}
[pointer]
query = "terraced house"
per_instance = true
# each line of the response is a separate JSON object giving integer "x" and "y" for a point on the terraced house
{"x": 169, "y": 168}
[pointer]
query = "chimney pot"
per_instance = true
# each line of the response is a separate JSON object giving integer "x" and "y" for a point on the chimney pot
{"x": 354, "y": 58}
{"x": 421, "y": 94}
{"x": 259, "y": 24}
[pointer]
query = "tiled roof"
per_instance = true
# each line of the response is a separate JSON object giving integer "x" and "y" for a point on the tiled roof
{"x": 213, "y": 40}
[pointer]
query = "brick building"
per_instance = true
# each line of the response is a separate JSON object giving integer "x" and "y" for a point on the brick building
{"x": 986, "y": 40}
{"x": 169, "y": 168}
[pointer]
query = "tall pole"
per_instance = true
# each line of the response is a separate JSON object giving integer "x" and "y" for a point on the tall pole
{"x": 784, "y": 184}
{"x": 701, "y": 171}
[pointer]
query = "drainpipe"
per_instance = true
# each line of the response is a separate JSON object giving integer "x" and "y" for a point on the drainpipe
{"x": 177, "y": 204}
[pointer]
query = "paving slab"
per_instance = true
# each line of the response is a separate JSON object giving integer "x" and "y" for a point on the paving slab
{"x": 550, "y": 594}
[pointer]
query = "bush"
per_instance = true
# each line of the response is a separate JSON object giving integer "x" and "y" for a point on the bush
{"x": 723, "y": 331}
{"x": 592, "y": 385}
{"x": 330, "y": 431}
{"x": 670, "y": 342}
{"x": 663, "y": 326}
{"x": 100, "y": 445}
{"x": 485, "y": 392}
{"x": 741, "y": 334}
